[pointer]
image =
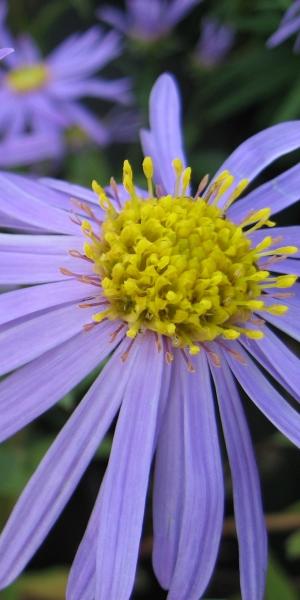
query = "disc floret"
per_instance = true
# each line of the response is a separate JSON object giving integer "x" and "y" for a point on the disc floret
{"x": 28, "y": 78}
{"x": 176, "y": 266}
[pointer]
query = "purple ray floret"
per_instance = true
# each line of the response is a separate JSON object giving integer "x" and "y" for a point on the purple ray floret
{"x": 147, "y": 21}
{"x": 41, "y": 98}
{"x": 289, "y": 25}
{"x": 62, "y": 323}
{"x": 215, "y": 42}
{"x": 5, "y": 52}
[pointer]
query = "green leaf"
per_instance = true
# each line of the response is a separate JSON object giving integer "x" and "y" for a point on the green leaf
{"x": 293, "y": 545}
{"x": 249, "y": 79}
{"x": 104, "y": 448}
{"x": 290, "y": 107}
{"x": 11, "y": 593}
{"x": 258, "y": 24}
{"x": 68, "y": 402}
{"x": 279, "y": 587}
{"x": 83, "y": 7}
{"x": 48, "y": 584}
{"x": 47, "y": 17}
{"x": 86, "y": 165}
{"x": 17, "y": 464}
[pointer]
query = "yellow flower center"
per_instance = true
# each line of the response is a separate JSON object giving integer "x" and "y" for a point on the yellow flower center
{"x": 176, "y": 266}
{"x": 27, "y": 78}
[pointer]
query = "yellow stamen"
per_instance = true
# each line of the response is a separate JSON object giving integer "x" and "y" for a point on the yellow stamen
{"x": 265, "y": 243}
{"x": 216, "y": 184}
{"x": 286, "y": 281}
{"x": 148, "y": 172}
{"x": 222, "y": 189}
{"x": 128, "y": 180}
{"x": 99, "y": 317}
{"x": 241, "y": 186}
{"x": 276, "y": 309}
{"x": 104, "y": 200}
{"x": 252, "y": 334}
{"x": 86, "y": 226}
{"x": 178, "y": 168}
{"x": 259, "y": 216}
{"x": 186, "y": 178}
{"x": 283, "y": 250}
{"x": 282, "y": 281}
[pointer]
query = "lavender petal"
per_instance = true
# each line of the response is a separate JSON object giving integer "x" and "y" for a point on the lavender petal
{"x": 5, "y": 52}
{"x": 26, "y": 301}
{"x": 21, "y": 342}
{"x": 277, "y": 194}
{"x": 33, "y": 389}
{"x": 165, "y": 124}
{"x": 17, "y": 268}
{"x": 60, "y": 471}
{"x": 81, "y": 584}
{"x": 29, "y": 208}
{"x": 249, "y": 516}
{"x": 188, "y": 490}
{"x": 283, "y": 32}
{"x": 277, "y": 359}
{"x": 259, "y": 151}
{"x": 265, "y": 396}
{"x": 123, "y": 495}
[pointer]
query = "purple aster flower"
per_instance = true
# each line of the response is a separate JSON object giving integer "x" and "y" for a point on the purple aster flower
{"x": 26, "y": 149}
{"x": 42, "y": 95}
{"x": 215, "y": 42}
{"x": 5, "y": 52}
{"x": 175, "y": 288}
{"x": 147, "y": 21}
{"x": 290, "y": 24}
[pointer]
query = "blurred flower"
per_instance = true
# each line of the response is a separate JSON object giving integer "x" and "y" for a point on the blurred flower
{"x": 173, "y": 288}
{"x": 5, "y": 52}
{"x": 147, "y": 21}
{"x": 28, "y": 148}
{"x": 215, "y": 42}
{"x": 41, "y": 96}
{"x": 289, "y": 25}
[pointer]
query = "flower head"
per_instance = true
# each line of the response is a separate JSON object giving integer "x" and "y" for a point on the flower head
{"x": 44, "y": 93}
{"x": 175, "y": 286}
{"x": 147, "y": 21}
{"x": 215, "y": 42}
{"x": 289, "y": 25}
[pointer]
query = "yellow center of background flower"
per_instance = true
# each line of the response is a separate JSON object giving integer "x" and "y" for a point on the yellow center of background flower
{"x": 176, "y": 266}
{"x": 27, "y": 78}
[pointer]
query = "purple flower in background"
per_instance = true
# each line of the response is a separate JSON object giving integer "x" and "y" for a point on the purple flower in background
{"x": 41, "y": 97}
{"x": 147, "y": 21}
{"x": 5, "y": 52}
{"x": 290, "y": 24}
{"x": 28, "y": 148}
{"x": 175, "y": 289}
{"x": 215, "y": 42}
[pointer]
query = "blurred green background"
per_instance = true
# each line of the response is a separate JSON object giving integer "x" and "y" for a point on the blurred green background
{"x": 252, "y": 88}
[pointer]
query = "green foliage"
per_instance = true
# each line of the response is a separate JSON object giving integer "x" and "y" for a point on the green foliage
{"x": 18, "y": 459}
{"x": 49, "y": 584}
{"x": 278, "y": 584}
{"x": 293, "y": 545}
